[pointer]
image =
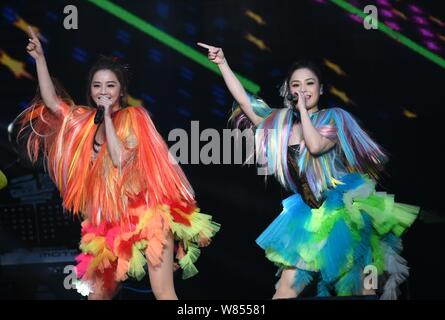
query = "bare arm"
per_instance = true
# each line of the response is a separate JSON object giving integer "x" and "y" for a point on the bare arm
{"x": 315, "y": 142}
{"x": 235, "y": 87}
{"x": 116, "y": 149}
{"x": 46, "y": 85}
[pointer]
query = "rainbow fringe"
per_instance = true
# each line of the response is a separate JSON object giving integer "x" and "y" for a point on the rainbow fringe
{"x": 355, "y": 151}
{"x": 128, "y": 210}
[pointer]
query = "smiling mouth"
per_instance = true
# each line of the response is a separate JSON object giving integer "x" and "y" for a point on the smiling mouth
{"x": 103, "y": 97}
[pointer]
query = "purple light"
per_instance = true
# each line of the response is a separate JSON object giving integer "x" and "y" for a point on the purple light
{"x": 419, "y": 20}
{"x": 415, "y": 8}
{"x": 356, "y": 18}
{"x": 383, "y": 2}
{"x": 387, "y": 13}
{"x": 392, "y": 25}
{"x": 355, "y": 3}
{"x": 431, "y": 45}
{"x": 320, "y": 1}
{"x": 426, "y": 33}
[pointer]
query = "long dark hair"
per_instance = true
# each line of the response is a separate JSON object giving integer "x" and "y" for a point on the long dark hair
{"x": 121, "y": 72}
{"x": 300, "y": 64}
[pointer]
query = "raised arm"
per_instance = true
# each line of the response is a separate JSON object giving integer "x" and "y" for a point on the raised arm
{"x": 315, "y": 142}
{"x": 235, "y": 87}
{"x": 116, "y": 149}
{"x": 46, "y": 85}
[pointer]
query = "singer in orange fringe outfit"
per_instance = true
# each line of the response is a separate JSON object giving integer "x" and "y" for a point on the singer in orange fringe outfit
{"x": 118, "y": 175}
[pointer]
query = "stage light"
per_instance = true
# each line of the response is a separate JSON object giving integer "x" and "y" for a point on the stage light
{"x": 167, "y": 39}
{"x": 431, "y": 45}
{"x": 419, "y": 20}
{"x": 392, "y": 25}
{"x": 394, "y": 34}
{"x": 80, "y": 55}
{"x": 386, "y": 13}
{"x": 426, "y": 33}
{"x": 356, "y": 18}
{"x": 154, "y": 55}
{"x": 415, "y": 8}
{"x": 383, "y": 3}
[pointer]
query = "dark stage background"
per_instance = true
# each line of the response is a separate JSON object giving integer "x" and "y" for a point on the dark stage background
{"x": 395, "y": 92}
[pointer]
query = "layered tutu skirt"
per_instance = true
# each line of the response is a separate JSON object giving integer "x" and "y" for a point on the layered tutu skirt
{"x": 113, "y": 252}
{"x": 356, "y": 229}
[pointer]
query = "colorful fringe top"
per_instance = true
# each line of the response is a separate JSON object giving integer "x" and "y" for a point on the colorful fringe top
{"x": 354, "y": 151}
{"x": 90, "y": 184}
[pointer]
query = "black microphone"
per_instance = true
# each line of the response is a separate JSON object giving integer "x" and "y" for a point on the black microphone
{"x": 294, "y": 99}
{"x": 99, "y": 117}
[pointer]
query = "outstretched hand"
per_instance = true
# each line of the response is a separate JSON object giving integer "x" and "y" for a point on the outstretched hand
{"x": 216, "y": 55}
{"x": 34, "y": 46}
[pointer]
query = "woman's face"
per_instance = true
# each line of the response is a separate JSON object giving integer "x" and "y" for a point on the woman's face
{"x": 305, "y": 80}
{"x": 105, "y": 85}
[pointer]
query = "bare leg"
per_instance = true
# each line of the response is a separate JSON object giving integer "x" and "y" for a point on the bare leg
{"x": 161, "y": 276}
{"x": 285, "y": 288}
{"x": 370, "y": 292}
{"x": 96, "y": 296}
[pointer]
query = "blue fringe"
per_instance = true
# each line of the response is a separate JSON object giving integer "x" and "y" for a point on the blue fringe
{"x": 334, "y": 197}
{"x": 351, "y": 282}
{"x": 287, "y": 231}
{"x": 323, "y": 289}
{"x": 335, "y": 251}
{"x": 301, "y": 280}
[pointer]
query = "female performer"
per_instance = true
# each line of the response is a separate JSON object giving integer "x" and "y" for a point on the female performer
{"x": 113, "y": 168}
{"x": 334, "y": 224}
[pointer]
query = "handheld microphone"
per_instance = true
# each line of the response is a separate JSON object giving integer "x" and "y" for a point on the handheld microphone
{"x": 99, "y": 117}
{"x": 293, "y": 99}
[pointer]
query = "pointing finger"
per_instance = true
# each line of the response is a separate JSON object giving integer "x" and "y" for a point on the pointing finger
{"x": 204, "y": 45}
{"x": 33, "y": 35}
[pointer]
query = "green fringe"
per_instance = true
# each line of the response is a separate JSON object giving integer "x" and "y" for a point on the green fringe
{"x": 187, "y": 262}
{"x": 138, "y": 260}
